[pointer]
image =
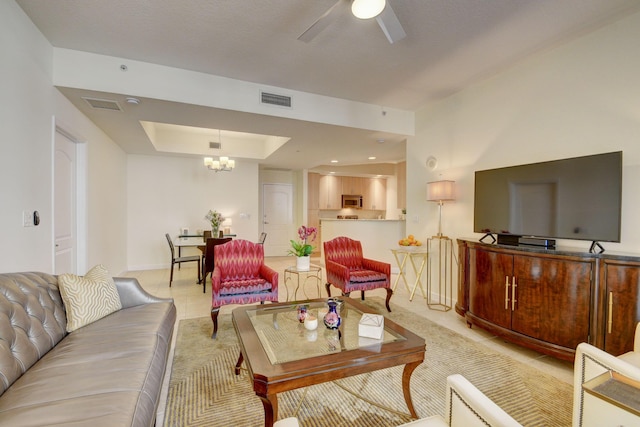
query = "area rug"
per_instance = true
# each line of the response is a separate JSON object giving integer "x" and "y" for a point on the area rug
{"x": 204, "y": 391}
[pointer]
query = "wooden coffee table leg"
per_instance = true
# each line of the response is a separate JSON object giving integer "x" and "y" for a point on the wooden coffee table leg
{"x": 240, "y": 360}
{"x": 406, "y": 389}
{"x": 270, "y": 404}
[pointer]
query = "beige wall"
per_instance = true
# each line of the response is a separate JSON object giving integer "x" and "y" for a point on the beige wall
{"x": 582, "y": 98}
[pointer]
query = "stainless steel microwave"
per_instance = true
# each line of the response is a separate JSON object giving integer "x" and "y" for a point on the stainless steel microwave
{"x": 352, "y": 201}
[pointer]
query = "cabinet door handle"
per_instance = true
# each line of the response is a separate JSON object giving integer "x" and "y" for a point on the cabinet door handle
{"x": 513, "y": 294}
{"x": 506, "y": 292}
{"x": 610, "y": 314}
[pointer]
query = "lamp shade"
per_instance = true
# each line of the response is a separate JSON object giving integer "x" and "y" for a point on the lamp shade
{"x": 366, "y": 9}
{"x": 441, "y": 191}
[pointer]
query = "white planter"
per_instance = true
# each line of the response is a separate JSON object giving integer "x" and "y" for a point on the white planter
{"x": 302, "y": 263}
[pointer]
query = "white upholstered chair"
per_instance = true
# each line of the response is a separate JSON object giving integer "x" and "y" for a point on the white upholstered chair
{"x": 287, "y": 422}
{"x": 590, "y": 362}
{"x": 466, "y": 406}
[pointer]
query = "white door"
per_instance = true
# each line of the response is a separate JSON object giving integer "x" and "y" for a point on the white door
{"x": 277, "y": 221}
{"x": 64, "y": 205}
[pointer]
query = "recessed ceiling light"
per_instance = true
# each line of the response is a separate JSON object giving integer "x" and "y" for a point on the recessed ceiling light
{"x": 372, "y": 157}
{"x": 334, "y": 161}
{"x": 331, "y": 173}
{"x": 132, "y": 100}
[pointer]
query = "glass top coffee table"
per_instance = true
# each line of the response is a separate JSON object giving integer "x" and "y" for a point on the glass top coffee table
{"x": 282, "y": 355}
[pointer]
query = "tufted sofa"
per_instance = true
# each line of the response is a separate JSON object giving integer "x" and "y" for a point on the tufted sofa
{"x": 108, "y": 373}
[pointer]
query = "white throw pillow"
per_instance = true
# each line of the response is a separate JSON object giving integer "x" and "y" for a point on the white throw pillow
{"x": 89, "y": 298}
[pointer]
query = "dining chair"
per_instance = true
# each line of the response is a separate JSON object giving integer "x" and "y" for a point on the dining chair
{"x": 349, "y": 271}
{"x": 240, "y": 276}
{"x": 263, "y": 237}
{"x": 208, "y": 259}
{"x": 181, "y": 259}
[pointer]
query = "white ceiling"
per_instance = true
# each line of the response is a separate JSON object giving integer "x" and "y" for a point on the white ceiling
{"x": 450, "y": 45}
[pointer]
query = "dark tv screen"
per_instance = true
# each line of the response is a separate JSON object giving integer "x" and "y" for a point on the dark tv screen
{"x": 578, "y": 198}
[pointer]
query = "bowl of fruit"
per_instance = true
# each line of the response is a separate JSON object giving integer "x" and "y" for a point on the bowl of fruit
{"x": 409, "y": 243}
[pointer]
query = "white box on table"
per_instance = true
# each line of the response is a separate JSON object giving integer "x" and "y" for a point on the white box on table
{"x": 371, "y": 326}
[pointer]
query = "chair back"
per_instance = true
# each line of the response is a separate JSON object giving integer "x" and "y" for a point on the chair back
{"x": 206, "y": 234}
{"x": 263, "y": 237}
{"x": 209, "y": 253}
{"x": 173, "y": 251}
{"x": 238, "y": 259}
{"x": 344, "y": 251}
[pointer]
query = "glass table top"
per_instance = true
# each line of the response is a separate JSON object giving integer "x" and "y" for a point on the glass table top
{"x": 285, "y": 339}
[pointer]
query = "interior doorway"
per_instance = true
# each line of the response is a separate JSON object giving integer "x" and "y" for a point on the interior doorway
{"x": 68, "y": 205}
{"x": 277, "y": 217}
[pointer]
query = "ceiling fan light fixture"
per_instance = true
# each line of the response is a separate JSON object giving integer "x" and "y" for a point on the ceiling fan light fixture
{"x": 367, "y": 9}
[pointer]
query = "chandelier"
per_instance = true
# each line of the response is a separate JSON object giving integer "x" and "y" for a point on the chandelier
{"x": 224, "y": 164}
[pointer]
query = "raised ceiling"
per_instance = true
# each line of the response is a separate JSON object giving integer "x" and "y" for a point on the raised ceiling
{"x": 450, "y": 44}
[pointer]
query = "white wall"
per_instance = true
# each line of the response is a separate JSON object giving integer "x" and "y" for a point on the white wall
{"x": 582, "y": 98}
{"x": 167, "y": 193}
{"x": 28, "y": 104}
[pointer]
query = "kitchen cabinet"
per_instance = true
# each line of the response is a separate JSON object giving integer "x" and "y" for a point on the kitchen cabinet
{"x": 536, "y": 299}
{"x": 313, "y": 187}
{"x": 374, "y": 196}
{"x": 353, "y": 185}
{"x": 619, "y": 304}
{"x": 330, "y": 192}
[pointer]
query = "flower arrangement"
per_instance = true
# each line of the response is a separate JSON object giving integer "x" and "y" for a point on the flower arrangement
{"x": 302, "y": 248}
{"x": 215, "y": 218}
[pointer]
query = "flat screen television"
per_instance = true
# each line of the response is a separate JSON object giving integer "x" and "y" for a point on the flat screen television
{"x": 577, "y": 198}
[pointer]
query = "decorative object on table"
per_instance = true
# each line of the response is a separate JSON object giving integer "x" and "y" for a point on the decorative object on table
{"x": 310, "y": 322}
{"x": 227, "y": 223}
{"x": 302, "y": 313}
{"x": 302, "y": 250}
{"x": 216, "y": 219}
{"x": 332, "y": 319}
{"x": 371, "y": 326}
{"x": 440, "y": 192}
{"x": 410, "y": 240}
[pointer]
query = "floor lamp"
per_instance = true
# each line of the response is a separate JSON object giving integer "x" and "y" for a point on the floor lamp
{"x": 440, "y": 192}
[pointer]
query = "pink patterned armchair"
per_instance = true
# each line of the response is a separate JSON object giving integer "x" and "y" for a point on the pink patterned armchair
{"x": 349, "y": 271}
{"x": 240, "y": 277}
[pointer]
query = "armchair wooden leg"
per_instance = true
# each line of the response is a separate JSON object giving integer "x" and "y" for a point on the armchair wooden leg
{"x": 214, "y": 318}
{"x": 362, "y": 295}
{"x": 328, "y": 285}
{"x": 389, "y": 293}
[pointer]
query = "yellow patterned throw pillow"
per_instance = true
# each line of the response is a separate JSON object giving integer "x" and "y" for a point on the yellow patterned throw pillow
{"x": 89, "y": 298}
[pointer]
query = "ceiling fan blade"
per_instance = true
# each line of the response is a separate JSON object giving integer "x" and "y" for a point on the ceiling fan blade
{"x": 390, "y": 24}
{"x": 322, "y": 22}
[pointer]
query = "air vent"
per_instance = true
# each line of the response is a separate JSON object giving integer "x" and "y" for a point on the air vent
{"x": 273, "y": 99}
{"x": 103, "y": 104}
{"x": 215, "y": 145}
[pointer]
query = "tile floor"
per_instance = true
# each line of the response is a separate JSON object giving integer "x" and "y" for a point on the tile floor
{"x": 191, "y": 302}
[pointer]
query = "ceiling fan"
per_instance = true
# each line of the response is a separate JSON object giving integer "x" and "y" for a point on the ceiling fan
{"x": 363, "y": 9}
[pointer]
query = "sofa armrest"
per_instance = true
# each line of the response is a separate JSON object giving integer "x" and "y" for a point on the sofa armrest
{"x": 375, "y": 265}
{"x": 636, "y": 339}
{"x": 269, "y": 275}
{"x": 132, "y": 294}
{"x": 468, "y": 406}
{"x": 590, "y": 362}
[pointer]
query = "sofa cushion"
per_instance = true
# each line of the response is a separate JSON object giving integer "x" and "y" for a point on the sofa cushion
{"x": 89, "y": 298}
